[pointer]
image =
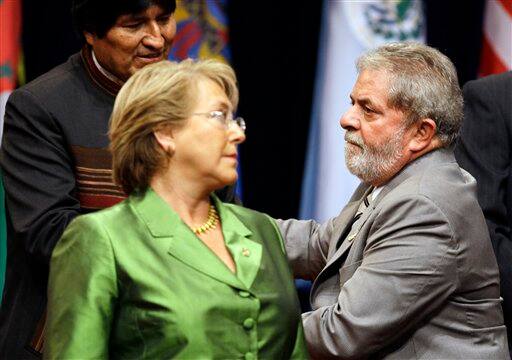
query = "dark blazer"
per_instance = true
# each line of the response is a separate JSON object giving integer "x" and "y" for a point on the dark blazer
{"x": 55, "y": 126}
{"x": 485, "y": 150}
{"x": 414, "y": 278}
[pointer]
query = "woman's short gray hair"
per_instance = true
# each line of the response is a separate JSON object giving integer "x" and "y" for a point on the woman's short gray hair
{"x": 423, "y": 84}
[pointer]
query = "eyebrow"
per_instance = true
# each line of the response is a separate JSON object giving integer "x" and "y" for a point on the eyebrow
{"x": 363, "y": 101}
{"x": 132, "y": 17}
{"x": 222, "y": 104}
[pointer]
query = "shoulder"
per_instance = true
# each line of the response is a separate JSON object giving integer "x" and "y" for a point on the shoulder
{"x": 254, "y": 220}
{"x": 492, "y": 87}
{"x": 440, "y": 189}
{"x": 435, "y": 176}
{"x": 106, "y": 219}
{"x": 59, "y": 79}
{"x": 249, "y": 215}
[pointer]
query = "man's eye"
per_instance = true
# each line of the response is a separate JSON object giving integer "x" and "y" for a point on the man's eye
{"x": 133, "y": 25}
{"x": 164, "y": 19}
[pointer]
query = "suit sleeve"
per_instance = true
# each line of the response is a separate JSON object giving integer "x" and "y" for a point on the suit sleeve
{"x": 82, "y": 293}
{"x": 407, "y": 272}
{"x": 484, "y": 151}
{"x": 307, "y": 245}
{"x": 38, "y": 175}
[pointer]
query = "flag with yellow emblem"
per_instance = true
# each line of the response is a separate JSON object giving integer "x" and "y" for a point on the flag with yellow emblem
{"x": 202, "y": 31}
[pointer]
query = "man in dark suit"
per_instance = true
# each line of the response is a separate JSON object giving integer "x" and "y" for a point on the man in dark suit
{"x": 485, "y": 150}
{"x": 54, "y": 158}
{"x": 406, "y": 271}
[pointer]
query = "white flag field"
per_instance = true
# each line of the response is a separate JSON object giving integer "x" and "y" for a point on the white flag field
{"x": 349, "y": 28}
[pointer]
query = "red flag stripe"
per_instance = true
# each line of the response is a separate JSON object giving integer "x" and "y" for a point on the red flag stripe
{"x": 507, "y": 6}
{"x": 10, "y": 30}
{"x": 490, "y": 62}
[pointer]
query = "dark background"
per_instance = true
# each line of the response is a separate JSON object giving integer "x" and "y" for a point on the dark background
{"x": 274, "y": 50}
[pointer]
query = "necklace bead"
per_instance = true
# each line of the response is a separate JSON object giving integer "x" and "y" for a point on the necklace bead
{"x": 211, "y": 222}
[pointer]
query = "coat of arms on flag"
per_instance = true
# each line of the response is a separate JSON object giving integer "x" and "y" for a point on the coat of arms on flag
{"x": 202, "y": 30}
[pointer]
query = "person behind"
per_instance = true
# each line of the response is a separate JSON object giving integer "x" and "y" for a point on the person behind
{"x": 54, "y": 156}
{"x": 485, "y": 150}
{"x": 406, "y": 270}
{"x": 172, "y": 271}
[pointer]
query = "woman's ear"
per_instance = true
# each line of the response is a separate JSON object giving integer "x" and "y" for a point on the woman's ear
{"x": 423, "y": 136}
{"x": 165, "y": 138}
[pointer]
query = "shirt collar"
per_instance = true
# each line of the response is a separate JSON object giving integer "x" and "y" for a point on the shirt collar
{"x": 105, "y": 72}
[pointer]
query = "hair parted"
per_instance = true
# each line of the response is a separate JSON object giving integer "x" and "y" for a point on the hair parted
{"x": 158, "y": 95}
{"x": 423, "y": 84}
{"x": 98, "y": 16}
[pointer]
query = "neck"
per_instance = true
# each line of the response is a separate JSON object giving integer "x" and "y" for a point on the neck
{"x": 408, "y": 158}
{"x": 190, "y": 203}
{"x": 433, "y": 145}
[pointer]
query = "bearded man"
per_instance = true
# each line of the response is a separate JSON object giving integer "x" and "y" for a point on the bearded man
{"x": 406, "y": 270}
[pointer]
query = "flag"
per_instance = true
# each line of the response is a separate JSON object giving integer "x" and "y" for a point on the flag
{"x": 10, "y": 36}
{"x": 496, "y": 54}
{"x": 202, "y": 33}
{"x": 349, "y": 28}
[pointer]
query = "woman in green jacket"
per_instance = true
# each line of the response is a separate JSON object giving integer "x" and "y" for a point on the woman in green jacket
{"x": 172, "y": 272}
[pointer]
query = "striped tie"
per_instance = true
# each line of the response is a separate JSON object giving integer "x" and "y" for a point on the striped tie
{"x": 364, "y": 205}
{"x": 360, "y": 211}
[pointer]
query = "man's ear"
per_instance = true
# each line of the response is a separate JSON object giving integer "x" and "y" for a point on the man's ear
{"x": 165, "y": 138}
{"x": 89, "y": 37}
{"x": 424, "y": 132}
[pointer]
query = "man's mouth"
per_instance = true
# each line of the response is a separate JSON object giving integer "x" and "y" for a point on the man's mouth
{"x": 353, "y": 139}
{"x": 150, "y": 57}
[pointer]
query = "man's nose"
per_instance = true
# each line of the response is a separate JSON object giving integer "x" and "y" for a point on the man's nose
{"x": 153, "y": 37}
{"x": 350, "y": 120}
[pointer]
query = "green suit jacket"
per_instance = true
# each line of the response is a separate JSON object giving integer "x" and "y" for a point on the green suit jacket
{"x": 133, "y": 281}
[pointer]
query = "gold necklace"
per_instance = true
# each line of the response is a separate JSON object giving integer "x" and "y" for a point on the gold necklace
{"x": 211, "y": 222}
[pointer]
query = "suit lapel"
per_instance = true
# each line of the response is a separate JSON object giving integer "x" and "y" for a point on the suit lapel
{"x": 165, "y": 225}
{"x": 247, "y": 253}
{"x": 352, "y": 208}
{"x": 341, "y": 223}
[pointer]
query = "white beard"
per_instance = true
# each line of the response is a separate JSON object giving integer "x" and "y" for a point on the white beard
{"x": 370, "y": 163}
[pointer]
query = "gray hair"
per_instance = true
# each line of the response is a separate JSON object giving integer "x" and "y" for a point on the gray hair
{"x": 423, "y": 84}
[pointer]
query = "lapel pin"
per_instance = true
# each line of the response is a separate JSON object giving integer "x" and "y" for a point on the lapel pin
{"x": 246, "y": 252}
{"x": 351, "y": 236}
